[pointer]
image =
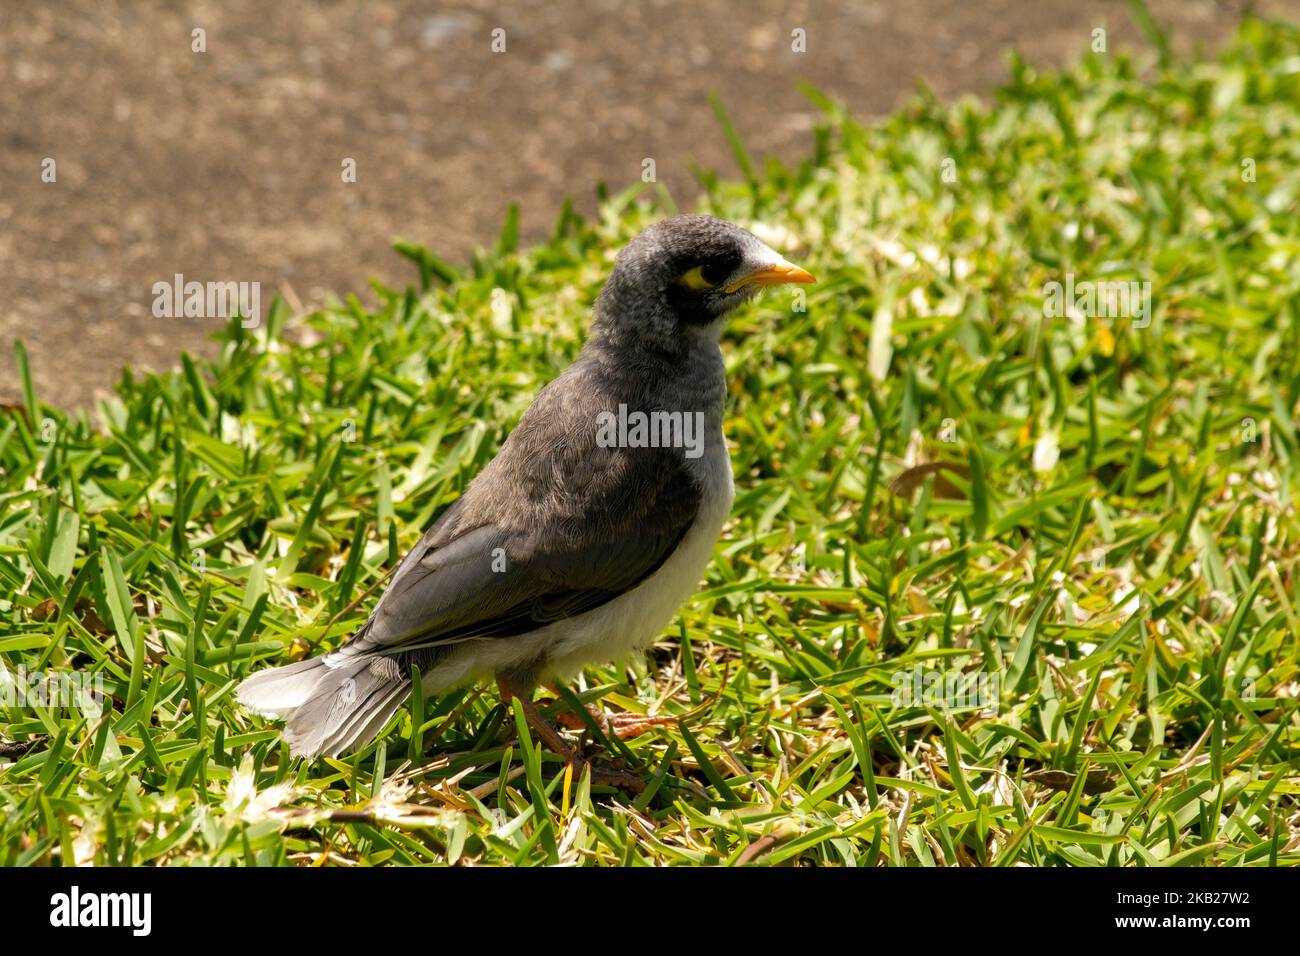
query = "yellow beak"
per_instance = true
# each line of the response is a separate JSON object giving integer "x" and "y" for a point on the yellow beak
{"x": 779, "y": 273}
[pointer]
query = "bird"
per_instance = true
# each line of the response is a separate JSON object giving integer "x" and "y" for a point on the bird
{"x": 593, "y": 524}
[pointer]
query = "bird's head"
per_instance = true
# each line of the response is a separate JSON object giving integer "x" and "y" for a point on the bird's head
{"x": 676, "y": 281}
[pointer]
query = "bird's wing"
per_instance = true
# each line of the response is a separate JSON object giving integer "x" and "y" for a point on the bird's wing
{"x": 584, "y": 525}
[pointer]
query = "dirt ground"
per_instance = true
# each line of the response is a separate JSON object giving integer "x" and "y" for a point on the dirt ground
{"x": 226, "y": 165}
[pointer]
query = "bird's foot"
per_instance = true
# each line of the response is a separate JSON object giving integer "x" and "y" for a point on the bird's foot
{"x": 600, "y": 776}
{"x": 624, "y": 726}
{"x": 612, "y": 777}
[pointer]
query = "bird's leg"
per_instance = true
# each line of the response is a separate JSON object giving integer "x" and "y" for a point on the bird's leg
{"x": 551, "y": 737}
{"x": 622, "y": 726}
{"x": 512, "y": 689}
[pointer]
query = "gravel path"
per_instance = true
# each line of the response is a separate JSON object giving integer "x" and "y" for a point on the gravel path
{"x": 226, "y": 164}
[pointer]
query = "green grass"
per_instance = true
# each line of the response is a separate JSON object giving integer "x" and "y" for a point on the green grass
{"x": 898, "y": 507}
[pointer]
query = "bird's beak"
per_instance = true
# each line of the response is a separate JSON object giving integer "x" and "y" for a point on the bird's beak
{"x": 775, "y": 273}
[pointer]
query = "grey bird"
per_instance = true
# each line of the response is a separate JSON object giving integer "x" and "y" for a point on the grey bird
{"x": 580, "y": 540}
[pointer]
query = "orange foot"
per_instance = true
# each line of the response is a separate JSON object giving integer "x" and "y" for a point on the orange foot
{"x": 624, "y": 726}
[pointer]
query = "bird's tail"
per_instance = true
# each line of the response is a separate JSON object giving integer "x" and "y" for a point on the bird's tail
{"x": 331, "y": 704}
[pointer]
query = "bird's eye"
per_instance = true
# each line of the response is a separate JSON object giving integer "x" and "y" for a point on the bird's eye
{"x": 703, "y": 277}
{"x": 714, "y": 272}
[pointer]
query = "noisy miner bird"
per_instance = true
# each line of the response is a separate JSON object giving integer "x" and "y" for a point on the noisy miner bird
{"x": 580, "y": 540}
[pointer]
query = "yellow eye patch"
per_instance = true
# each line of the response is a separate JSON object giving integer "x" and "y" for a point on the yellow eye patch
{"x": 694, "y": 279}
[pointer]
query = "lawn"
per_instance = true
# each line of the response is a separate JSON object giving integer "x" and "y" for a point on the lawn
{"x": 1005, "y": 583}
